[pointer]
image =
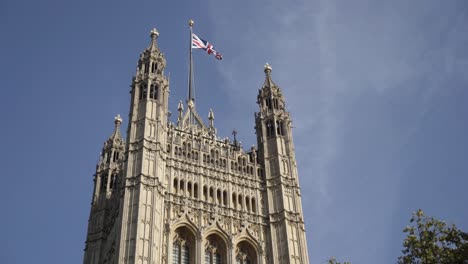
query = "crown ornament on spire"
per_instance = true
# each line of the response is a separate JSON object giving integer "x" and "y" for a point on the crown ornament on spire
{"x": 154, "y": 33}
{"x": 116, "y": 136}
{"x": 267, "y": 69}
{"x": 117, "y": 120}
{"x": 268, "y": 81}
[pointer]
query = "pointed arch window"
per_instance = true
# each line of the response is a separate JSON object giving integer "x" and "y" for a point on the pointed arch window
{"x": 245, "y": 254}
{"x": 113, "y": 181}
{"x": 154, "y": 67}
{"x": 279, "y": 130}
{"x": 275, "y": 103}
{"x": 115, "y": 156}
{"x": 154, "y": 91}
{"x": 268, "y": 103}
{"x": 195, "y": 190}
{"x": 104, "y": 178}
{"x": 143, "y": 91}
{"x": 270, "y": 128}
{"x": 205, "y": 193}
{"x": 180, "y": 251}
{"x": 109, "y": 154}
{"x": 215, "y": 251}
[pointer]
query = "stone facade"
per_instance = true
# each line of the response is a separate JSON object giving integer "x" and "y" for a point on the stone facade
{"x": 177, "y": 193}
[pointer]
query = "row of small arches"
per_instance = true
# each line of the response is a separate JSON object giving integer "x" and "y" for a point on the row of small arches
{"x": 178, "y": 151}
{"x": 280, "y": 128}
{"x": 239, "y": 166}
{"x": 148, "y": 66}
{"x": 272, "y": 103}
{"x": 153, "y": 91}
{"x": 107, "y": 183}
{"x": 218, "y": 196}
{"x": 111, "y": 155}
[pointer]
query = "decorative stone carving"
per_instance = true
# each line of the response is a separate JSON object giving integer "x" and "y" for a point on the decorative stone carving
{"x": 158, "y": 149}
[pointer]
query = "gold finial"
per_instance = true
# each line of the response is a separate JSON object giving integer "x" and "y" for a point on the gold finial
{"x": 190, "y": 22}
{"x": 267, "y": 68}
{"x": 154, "y": 33}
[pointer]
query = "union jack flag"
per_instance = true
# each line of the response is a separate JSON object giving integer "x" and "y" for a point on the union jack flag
{"x": 198, "y": 43}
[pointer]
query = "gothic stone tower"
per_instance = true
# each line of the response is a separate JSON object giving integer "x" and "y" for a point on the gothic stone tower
{"x": 176, "y": 193}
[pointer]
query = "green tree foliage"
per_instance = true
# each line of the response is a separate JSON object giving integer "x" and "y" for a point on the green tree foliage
{"x": 430, "y": 241}
{"x": 333, "y": 260}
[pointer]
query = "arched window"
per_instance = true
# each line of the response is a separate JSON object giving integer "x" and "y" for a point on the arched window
{"x": 180, "y": 252}
{"x": 239, "y": 199}
{"x": 218, "y": 197}
{"x": 182, "y": 188}
{"x": 104, "y": 182}
{"x": 154, "y": 91}
{"x": 109, "y": 153}
{"x": 116, "y": 156}
{"x": 270, "y": 129}
{"x": 205, "y": 193}
{"x": 268, "y": 103}
{"x": 245, "y": 253}
{"x": 189, "y": 189}
{"x": 175, "y": 186}
{"x": 183, "y": 246}
{"x": 195, "y": 190}
{"x": 143, "y": 91}
{"x": 212, "y": 195}
{"x": 234, "y": 199}
{"x": 113, "y": 181}
{"x": 215, "y": 250}
{"x": 224, "y": 198}
{"x": 254, "y": 206}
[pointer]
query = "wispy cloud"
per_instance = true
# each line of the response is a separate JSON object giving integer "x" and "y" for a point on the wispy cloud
{"x": 359, "y": 78}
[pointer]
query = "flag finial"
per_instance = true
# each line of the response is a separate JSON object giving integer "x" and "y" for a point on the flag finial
{"x": 190, "y": 22}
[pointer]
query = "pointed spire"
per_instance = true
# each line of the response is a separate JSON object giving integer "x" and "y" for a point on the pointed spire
{"x": 269, "y": 96}
{"x": 154, "y": 33}
{"x": 180, "y": 108}
{"x": 268, "y": 81}
{"x": 116, "y": 136}
{"x": 236, "y": 143}
{"x": 211, "y": 118}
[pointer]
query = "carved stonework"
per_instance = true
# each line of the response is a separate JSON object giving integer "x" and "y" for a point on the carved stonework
{"x": 177, "y": 210}
{"x": 181, "y": 184}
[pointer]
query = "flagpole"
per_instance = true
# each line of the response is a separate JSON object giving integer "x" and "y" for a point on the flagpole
{"x": 190, "y": 99}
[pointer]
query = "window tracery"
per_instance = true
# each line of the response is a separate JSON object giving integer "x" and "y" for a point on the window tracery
{"x": 180, "y": 250}
{"x": 215, "y": 250}
{"x": 245, "y": 253}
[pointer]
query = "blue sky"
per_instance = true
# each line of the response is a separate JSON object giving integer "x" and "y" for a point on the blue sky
{"x": 378, "y": 93}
